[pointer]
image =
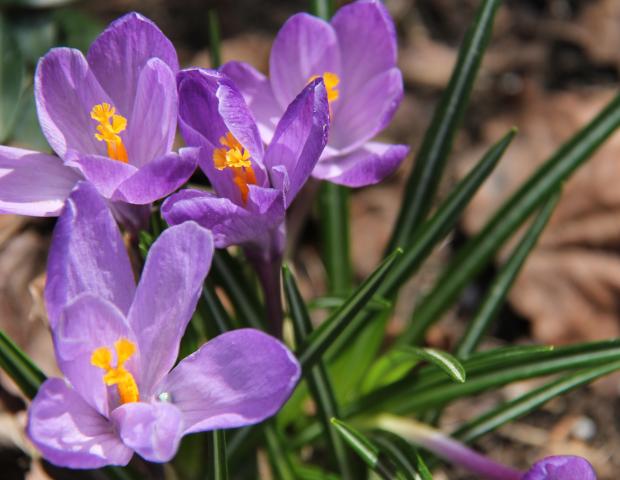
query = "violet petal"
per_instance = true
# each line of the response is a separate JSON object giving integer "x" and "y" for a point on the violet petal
{"x": 65, "y": 91}
{"x": 33, "y": 183}
{"x": 238, "y": 378}
{"x": 152, "y": 430}
{"x": 166, "y": 297}
{"x": 158, "y": 179}
{"x": 119, "y": 54}
{"x": 299, "y": 139}
{"x": 365, "y": 166}
{"x": 304, "y": 47}
{"x": 70, "y": 433}
{"x": 87, "y": 254}
{"x": 87, "y": 324}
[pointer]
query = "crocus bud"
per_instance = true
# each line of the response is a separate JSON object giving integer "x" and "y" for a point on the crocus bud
{"x": 561, "y": 467}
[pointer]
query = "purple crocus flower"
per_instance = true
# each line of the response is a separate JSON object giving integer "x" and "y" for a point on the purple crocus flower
{"x": 561, "y": 467}
{"x": 355, "y": 54}
{"x": 110, "y": 117}
{"x": 253, "y": 186}
{"x": 116, "y": 344}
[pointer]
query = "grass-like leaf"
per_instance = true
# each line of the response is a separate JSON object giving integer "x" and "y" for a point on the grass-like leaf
{"x": 392, "y": 366}
{"x": 432, "y": 390}
{"x": 476, "y": 254}
{"x": 368, "y": 452}
{"x": 20, "y": 367}
{"x": 334, "y": 212}
{"x": 317, "y": 377}
{"x": 503, "y": 281}
{"x": 217, "y": 462}
{"x": 530, "y": 401}
{"x": 432, "y": 231}
{"x": 323, "y": 337}
{"x": 431, "y": 159}
{"x": 404, "y": 455}
{"x": 12, "y": 74}
{"x": 227, "y": 272}
{"x": 279, "y": 459}
{"x": 214, "y": 39}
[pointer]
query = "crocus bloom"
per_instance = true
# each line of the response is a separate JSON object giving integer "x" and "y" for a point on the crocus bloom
{"x": 355, "y": 54}
{"x": 110, "y": 117}
{"x": 561, "y": 467}
{"x": 116, "y": 344}
{"x": 253, "y": 185}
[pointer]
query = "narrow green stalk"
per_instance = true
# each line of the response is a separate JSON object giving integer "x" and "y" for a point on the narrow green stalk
{"x": 510, "y": 216}
{"x": 24, "y": 372}
{"x": 318, "y": 378}
{"x": 218, "y": 466}
{"x": 503, "y": 282}
{"x": 334, "y": 210}
{"x": 516, "y": 408}
{"x": 322, "y": 8}
{"x": 214, "y": 39}
{"x": 430, "y": 162}
{"x": 278, "y": 456}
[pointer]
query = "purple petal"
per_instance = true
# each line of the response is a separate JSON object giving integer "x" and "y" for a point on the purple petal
{"x": 305, "y": 46}
{"x": 365, "y": 166}
{"x": 152, "y": 430}
{"x": 153, "y": 123}
{"x": 158, "y": 178}
{"x": 366, "y": 112}
{"x": 236, "y": 379}
{"x": 104, "y": 173}
{"x": 33, "y": 183}
{"x": 256, "y": 90}
{"x": 209, "y": 107}
{"x": 367, "y": 40}
{"x": 229, "y": 223}
{"x": 561, "y": 467}
{"x": 86, "y": 325}
{"x": 299, "y": 139}
{"x": 66, "y": 91}
{"x": 69, "y": 433}
{"x": 199, "y": 119}
{"x": 87, "y": 254}
{"x": 166, "y": 298}
{"x": 119, "y": 54}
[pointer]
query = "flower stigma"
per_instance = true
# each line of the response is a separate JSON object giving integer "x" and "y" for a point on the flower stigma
{"x": 233, "y": 155}
{"x": 110, "y": 125}
{"x": 119, "y": 376}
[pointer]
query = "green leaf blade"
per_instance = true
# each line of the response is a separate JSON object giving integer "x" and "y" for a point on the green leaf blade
{"x": 503, "y": 281}
{"x": 20, "y": 367}
{"x": 509, "y": 217}
{"x": 431, "y": 159}
{"x": 323, "y": 337}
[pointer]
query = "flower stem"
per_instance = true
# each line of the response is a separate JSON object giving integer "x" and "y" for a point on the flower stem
{"x": 447, "y": 448}
{"x": 268, "y": 271}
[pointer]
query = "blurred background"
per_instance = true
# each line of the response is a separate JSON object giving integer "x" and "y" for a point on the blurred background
{"x": 551, "y": 65}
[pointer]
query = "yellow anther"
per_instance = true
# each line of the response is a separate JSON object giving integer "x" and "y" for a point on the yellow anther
{"x": 331, "y": 81}
{"x": 233, "y": 155}
{"x": 110, "y": 125}
{"x": 119, "y": 376}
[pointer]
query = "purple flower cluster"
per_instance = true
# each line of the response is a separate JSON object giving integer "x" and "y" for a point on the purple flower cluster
{"x": 111, "y": 119}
